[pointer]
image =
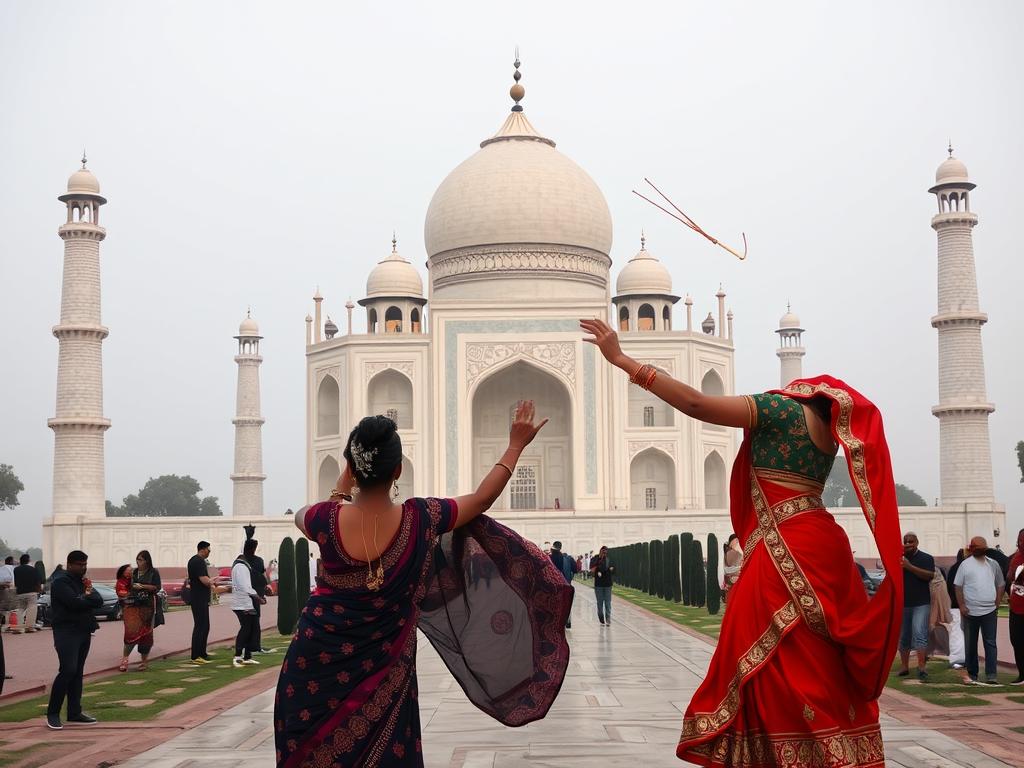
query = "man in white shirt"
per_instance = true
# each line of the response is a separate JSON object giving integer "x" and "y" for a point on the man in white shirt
{"x": 243, "y": 603}
{"x": 979, "y": 588}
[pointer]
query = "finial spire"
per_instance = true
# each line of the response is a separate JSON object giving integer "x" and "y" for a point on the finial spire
{"x": 248, "y": 311}
{"x": 643, "y": 241}
{"x": 394, "y": 242}
{"x": 789, "y": 307}
{"x": 517, "y": 91}
{"x": 83, "y": 157}
{"x": 950, "y": 148}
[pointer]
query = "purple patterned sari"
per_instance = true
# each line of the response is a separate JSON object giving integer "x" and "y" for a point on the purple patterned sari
{"x": 347, "y": 692}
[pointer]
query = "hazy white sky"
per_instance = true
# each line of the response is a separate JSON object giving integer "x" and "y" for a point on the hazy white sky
{"x": 251, "y": 151}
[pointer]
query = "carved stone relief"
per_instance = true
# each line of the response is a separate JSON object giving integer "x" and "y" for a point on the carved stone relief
{"x": 559, "y": 356}
{"x": 638, "y": 446}
{"x": 372, "y": 368}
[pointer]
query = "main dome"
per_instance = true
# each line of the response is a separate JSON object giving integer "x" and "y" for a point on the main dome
{"x": 518, "y": 190}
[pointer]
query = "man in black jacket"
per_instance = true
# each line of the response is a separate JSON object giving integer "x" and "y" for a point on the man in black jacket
{"x": 72, "y": 602}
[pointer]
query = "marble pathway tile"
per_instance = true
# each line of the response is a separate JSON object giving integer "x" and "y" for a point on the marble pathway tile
{"x": 620, "y": 707}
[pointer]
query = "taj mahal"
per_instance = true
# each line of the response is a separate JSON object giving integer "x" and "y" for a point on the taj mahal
{"x": 517, "y": 240}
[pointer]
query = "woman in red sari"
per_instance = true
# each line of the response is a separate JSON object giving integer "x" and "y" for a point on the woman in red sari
{"x": 803, "y": 654}
{"x": 347, "y": 692}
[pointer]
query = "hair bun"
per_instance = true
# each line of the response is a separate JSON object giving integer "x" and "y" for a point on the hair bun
{"x": 374, "y": 450}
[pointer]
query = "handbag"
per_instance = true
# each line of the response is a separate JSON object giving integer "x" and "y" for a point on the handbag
{"x": 186, "y": 592}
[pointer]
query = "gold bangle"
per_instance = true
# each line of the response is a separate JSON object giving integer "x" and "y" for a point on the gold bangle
{"x": 504, "y": 466}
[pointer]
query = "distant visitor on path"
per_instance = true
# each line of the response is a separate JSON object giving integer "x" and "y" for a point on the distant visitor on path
{"x": 137, "y": 588}
{"x": 72, "y": 603}
{"x": 245, "y": 601}
{"x": 603, "y": 569}
{"x": 1015, "y": 589}
{"x": 28, "y": 586}
{"x": 803, "y": 654}
{"x": 347, "y": 692}
{"x": 918, "y": 572}
{"x": 201, "y": 589}
{"x": 979, "y": 587}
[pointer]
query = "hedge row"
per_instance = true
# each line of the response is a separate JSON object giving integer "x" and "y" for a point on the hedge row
{"x": 672, "y": 569}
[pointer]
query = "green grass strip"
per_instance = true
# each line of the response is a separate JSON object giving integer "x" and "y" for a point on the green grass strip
{"x": 139, "y": 696}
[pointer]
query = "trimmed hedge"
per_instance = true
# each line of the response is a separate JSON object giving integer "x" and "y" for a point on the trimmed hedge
{"x": 686, "y": 551}
{"x": 301, "y": 573}
{"x": 287, "y": 607}
{"x": 714, "y": 590}
{"x": 697, "y": 577}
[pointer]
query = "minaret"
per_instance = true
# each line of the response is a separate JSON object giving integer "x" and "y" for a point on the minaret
{"x": 78, "y": 427}
{"x": 248, "y": 476}
{"x": 791, "y": 347}
{"x": 965, "y": 463}
{"x": 318, "y": 325}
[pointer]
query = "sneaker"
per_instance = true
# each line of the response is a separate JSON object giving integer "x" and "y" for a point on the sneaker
{"x": 249, "y": 661}
{"x": 958, "y": 666}
{"x": 602, "y": 622}
{"x": 922, "y": 675}
{"x": 1018, "y": 681}
{"x": 200, "y": 660}
{"x": 265, "y": 650}
{"x": 903, "y": 673}
{"x": 82, "y": 719}
{"x": 236, "y": 662}
{"x": 992, "y": 681}
{"x": 971, "y": 681}
{"x": 53, "y": 723}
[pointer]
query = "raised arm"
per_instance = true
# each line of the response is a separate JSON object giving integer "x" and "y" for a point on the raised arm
{"x": 715, "y": 409}
{"x": 521, "y": 434}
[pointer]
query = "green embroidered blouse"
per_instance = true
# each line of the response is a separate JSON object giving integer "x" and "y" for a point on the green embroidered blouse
{"x": 780, "y": 440}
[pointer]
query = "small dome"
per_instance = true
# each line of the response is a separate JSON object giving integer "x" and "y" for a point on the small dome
{"x": 394, "y": 276}
{"x": 643, "y": 274}
{"x": 789, "y": 320}
{"x": 248, "y": 327}
{"x": 951, "y": 171}
{"x": 330, "y": 328}
{"x": 708, "y": 326}
{"x": 83, "y": 181}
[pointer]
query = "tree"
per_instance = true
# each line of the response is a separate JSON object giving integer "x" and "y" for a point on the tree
{"x": 697, "y": 564}
{"x": 166, "y": 496}
{"x": 839, "y": 490}
{"x": 685, "y": 571}
{"x": 908, "y": 497}
{"x": 714, "y": 590}
{"x": 10, "y": 487}
{"x": 1020, "y": 459}
{"x": 287, "y": 608}
{"x": 301, "y": 573}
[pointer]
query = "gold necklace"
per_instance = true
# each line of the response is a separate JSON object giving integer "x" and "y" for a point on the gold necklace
{"x": 374, "y": 578}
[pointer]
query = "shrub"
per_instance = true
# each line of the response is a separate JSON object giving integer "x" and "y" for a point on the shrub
{"x": 714, "y": 590}
{"x": 301, "y": 573}
{"x": 697, "y": 578}
{"x": 685, "y": 570}
{"x": 287, "y": 607}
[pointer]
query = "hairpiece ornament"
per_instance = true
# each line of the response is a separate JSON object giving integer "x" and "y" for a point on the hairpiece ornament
{"x": 363, "y": 458}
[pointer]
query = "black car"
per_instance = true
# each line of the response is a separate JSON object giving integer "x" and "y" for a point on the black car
{"x": 110, "y": 610}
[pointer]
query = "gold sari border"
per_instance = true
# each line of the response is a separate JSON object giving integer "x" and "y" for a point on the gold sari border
{"x": 857, "y": 748}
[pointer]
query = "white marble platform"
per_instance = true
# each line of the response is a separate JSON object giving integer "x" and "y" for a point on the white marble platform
{"x": 621, "y": 706}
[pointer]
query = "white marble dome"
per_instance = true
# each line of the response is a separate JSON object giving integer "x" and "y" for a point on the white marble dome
{"x": 951, "y": 171}
{"x": 394, "y": 276}
{"x": 248, "y": 327}
{"x": 789, "y": 320}
{"x": 517, "y": 189}
{"x": 643, "y": 274}
{"x": 82, "y": 182}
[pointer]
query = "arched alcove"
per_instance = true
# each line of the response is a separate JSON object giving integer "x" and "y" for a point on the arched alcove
{"x": 371, "y": 320}
{"x": 544, "y": 472}
{"x": 389, "y": 393}
{"x": 328, "y": 478}
{"x": 714, "y": 481}
{"x": 666, "y": 318}
{"x": 416, "y": 325}
{"x": 652, "y": 481}
{"x": 328, "y": 407}
{"x": 623, "y": 318}
{"x": 393, "y": 320}
{"x": 712, "y": 384}
{"x": 645, "y": 318}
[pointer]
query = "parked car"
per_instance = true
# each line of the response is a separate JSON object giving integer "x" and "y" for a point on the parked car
{"x": 111, "y": 610}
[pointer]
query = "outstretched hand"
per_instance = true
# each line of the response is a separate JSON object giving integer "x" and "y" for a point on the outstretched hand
{"x": 523, "y": 429}
{"x": 604, "y": 338}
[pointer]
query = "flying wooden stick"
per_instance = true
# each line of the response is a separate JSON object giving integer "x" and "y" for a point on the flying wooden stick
{"x": 682, "y": 217}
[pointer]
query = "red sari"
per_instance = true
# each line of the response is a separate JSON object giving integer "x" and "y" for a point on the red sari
{"x": 803, "y": 653}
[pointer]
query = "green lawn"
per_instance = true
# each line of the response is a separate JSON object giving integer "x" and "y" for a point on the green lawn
{"x": 132, "y": 696}
{"x": 695, "y": 618}
{"x": 944, "y": 687}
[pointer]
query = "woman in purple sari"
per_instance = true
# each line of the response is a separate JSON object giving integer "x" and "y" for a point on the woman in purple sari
{"x": 347, "y": 692}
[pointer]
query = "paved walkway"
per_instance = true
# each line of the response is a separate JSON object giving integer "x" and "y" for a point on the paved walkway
{"x": 620, "y": 707}
{"x": 33, "y": 662}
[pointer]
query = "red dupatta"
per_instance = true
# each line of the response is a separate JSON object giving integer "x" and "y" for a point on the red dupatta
{"x": 870, "y": 635}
